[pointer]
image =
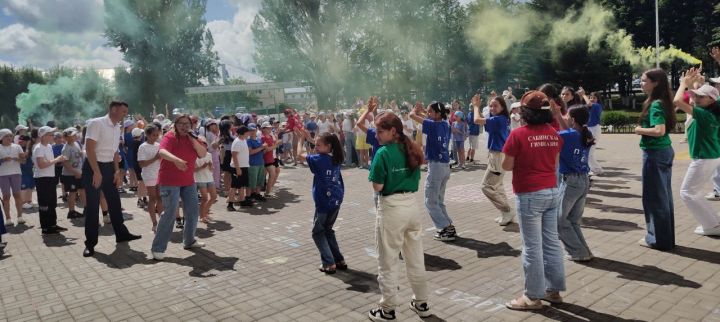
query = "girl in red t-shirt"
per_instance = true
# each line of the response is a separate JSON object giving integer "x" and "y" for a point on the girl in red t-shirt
{"x": 531, "y": 153}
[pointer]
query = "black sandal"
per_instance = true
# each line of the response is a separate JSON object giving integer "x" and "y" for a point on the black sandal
{"x": 327, "y": 270}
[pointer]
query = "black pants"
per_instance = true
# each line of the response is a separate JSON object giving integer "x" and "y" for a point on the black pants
{"x": 92, "y": 206}
{"x": 46, "y": 188}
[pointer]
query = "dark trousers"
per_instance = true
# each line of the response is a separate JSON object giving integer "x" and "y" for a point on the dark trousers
{"x": 47, "y": 201}
{"x": 92, "y": 207}
{"x": 657, "y": 198}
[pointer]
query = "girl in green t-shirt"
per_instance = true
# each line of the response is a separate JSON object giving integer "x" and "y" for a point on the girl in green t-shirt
{"x": 704, "y": 146}
{"x": 657, "y": 120}
{"x": 395, "y": 175}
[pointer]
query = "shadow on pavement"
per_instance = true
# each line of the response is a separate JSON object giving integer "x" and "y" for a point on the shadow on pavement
{"x": 436, "y": 263}
{"x": 18, "y": 229}
{"x": 613, "y": 194}
{"x": 697, "y": 254}
{"x": 608, "y": 187}
{"x": 559, "y": 312}
{"x": 609, "y": 224}
{"x": 486, "y": 250}
{"x": 624, "y": 175}
{"x": 212, "y": 227}
{"x": 202, "y": 261}
{"x": 123, "y": 257}
{"x": 358, "y": 281}
{"x": 595, "y": 203}
{"x": 645, "y": 273}
{"x": 57, "y": 240}
{"x": 512, "y": 228}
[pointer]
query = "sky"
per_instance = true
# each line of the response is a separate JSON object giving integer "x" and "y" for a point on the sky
{"x": 45, "y": 33}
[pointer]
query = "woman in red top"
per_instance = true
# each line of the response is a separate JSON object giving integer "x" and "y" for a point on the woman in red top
{"x": 179, "y": 149}
{"x": 296, "y": 127}
{"x": 532, "y": 153}
{"x": 271, "y": 163}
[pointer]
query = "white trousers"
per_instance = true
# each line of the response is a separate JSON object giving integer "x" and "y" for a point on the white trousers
{"x": 592, "y": 161}
{"x": 693, "y": 191}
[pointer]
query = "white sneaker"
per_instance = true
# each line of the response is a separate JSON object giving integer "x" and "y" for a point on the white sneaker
{"x": 27, "y": 206}
{"x": 20, "y": 220}
{"x": 712, "y": 196}
{"x": 715, "y": 231}
{"x": 106, "y": 219}
{"x": 506, "y": 218}
{"x": 195, "y": 244}
{"x": 158, "y": 256}
{"x": 8, "y": 222}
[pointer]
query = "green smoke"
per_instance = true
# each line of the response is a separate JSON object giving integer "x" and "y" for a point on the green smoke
{"x": 493, "y": 31}
{"x": 66, "y": 99}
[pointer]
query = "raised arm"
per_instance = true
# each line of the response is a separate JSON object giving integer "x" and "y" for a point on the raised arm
{"x": 417, "y": 114}
{"x": 686, "y": 80}
{"x": 478, "y": 117}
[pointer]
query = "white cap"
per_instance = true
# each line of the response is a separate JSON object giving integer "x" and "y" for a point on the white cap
{"x": 5, "y": 132}
{"x": 137, "y": 132}
{"x": 70, "y": 131}
{"x": 21, "y": 127}
{"x": 707, "y": 90}
{"x": 266, "y": 124}
{"x": 715, "y": 80}
{"x": 45, "y": 130}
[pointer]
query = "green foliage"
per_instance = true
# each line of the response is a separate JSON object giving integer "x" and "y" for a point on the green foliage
{"x": 167, "y": 45}
{"x": 617, "y": 118}
{"x": 13, "y": 82}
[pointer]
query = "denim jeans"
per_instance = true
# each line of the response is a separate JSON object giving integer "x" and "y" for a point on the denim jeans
{"x": 171, "y": 199}
{"x": 324, "y": 237}
{"x": 574, "y": 188}
{"x": 437, "y": 178}
{"x": 542, "y": 255}
{"x": 349, "y": 147}
{"x": 657, "y": 198}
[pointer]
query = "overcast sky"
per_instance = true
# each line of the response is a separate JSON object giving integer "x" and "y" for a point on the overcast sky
{"x": 45, "y": 33}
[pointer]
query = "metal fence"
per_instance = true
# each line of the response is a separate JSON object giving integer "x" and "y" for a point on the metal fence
{"x": 630, "y": 128}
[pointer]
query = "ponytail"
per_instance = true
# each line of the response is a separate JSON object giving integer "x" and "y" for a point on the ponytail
{"x": 580, "y": 115}
{"x": 440, "y": 108}
{"x": 587, "y": 137}
{"x": 413, "y": 152}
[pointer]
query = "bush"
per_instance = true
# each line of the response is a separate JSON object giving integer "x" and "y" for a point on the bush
{"x": 616, "y": 118}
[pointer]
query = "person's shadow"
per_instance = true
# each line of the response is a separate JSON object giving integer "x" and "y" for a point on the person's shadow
{"x": 57, "y": 240}
{"x": 645, "y": 273}
{"x": 358, "y": 281}
{"x": 697, "y": 254}
{"x": 123, "y": 257}
{"x": 212, "y": 227}
{"x": 18, "y": 229}
{"x": 559, "y": 312}
{"x": 485, "y": 249}
{"x": 202, "y": 261}
{"x": 436, "y": 263}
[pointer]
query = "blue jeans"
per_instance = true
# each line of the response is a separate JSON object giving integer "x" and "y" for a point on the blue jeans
{"x": 324, "y": 237}
{"x": 657, "y": 198}
{"x": 542, "y": 255}
{"x": 349, "y": 147}
{"x": 574, "y": 189}
{"x": 437, "y": 178}
{"x": 171, "y": 199}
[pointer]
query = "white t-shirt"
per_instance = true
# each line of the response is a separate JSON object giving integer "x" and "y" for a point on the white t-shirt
{"x": 43, "y": 151}
{"x": 347, "y": 126}
{"x": 323, "y": 127}
{"x": 148, "y": 151}
{"x": 408, "y": 127}
{"x": 241, "y": 147}
{"x": 210, "y": 137}
{"x": 10, "y": 167}
{"x": 205, "y": 174}
{"x": 106, "y": 135}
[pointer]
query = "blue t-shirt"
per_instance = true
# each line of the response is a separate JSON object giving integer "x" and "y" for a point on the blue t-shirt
{"x": 498, "y": 129}
{"x": 460, "y": 131}
{"x": 328, "y": 188}
{"x": 473, "y": 129}
{"x": 57, "y": 150}
{"x": 371, "y": 138}
{"x": 438, "y": 139}
{"x": 574, "y": 154}
{"x": 257, "y": 158}
{"x": 311, "y": 126}
{"x": 595, "y": 112}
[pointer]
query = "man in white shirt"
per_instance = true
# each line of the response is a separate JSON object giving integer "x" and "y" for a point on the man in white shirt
{"x": 101, "y": 172}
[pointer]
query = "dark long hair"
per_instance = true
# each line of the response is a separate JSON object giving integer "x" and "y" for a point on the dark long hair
{"x": 440, "y": 108}
{"x": 661, "y": 93}
{"x": 413, "y": 152}
{"x": 503, "y": 104}
{"x": 576, "y": 99}
{"x": 338, "y": 156}
{"x": 551, "y": 91}
{"x": 225, "y": 135}
{"x": 535, "y": 116}
{"x": 580, "y": 115}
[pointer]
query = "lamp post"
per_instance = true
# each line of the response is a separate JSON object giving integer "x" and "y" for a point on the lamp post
{"x": 657, "y": 36}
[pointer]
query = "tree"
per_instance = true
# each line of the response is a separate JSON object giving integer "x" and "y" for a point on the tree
{"x": 167, "y": 45}
{"x": 13, "y": 82}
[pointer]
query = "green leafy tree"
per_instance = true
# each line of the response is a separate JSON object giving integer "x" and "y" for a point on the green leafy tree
{"x": 167, "y": 45}
{"x": 13, "y": 82}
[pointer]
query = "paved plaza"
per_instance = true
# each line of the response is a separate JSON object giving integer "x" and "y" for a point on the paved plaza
{"x": 261, "y": 264}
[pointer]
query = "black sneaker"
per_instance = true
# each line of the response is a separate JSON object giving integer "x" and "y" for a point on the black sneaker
{"x": 230, "y": 207}
{"x": 72, "y": 214}
{"x": 446, "y": 234}
{"x": 246, "y": 203}
{"x": 179, "y": 223}
{"x": 50, "y": 231}
{"x": 258, "y": 197}
{"x": 378, "y": 314}
{"x": 422, "y": 309}
{"x": 58, "y": 228}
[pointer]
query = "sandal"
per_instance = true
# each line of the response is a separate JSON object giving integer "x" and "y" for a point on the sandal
{"x": 524, "y": 303}
{"x": 329, "y": 270}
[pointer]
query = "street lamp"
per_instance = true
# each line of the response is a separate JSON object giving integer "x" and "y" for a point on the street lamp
{"x": 657, "y": 36}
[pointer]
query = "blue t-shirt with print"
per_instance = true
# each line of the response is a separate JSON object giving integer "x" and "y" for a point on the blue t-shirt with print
{"x": 328, "y": 188}
{"x": 459, "y": 131}
{"x": 257, "y": 158}
{"x": 595, "y": 113}
{"x": 498, "y": 129}
{"x": 574, "y": 154}
{"x": 473, "y": 129}
{"x": 438, "y": 139}
{"x": 371, "y": 138}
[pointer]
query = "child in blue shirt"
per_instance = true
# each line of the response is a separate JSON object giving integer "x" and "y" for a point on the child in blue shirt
{"x": 328, "y": 191}
{"x": 459, "y": 134}
{"x": 575, "y": 184}
{"x": 437, "y": 129}
{"x": 256, "y": 171}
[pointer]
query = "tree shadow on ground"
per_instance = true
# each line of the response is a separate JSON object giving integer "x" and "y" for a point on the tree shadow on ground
{"x": 560, "y": 312}
{"x": 202, "y": 261}
{"x": 485, "y": 249}
{"x": 645, "y": 273}
{"x": 697, "y": 254}
{"x": 608, "y": 181}
{"x": 436, "y": 263}
{"x": 57, "y": 240}
{"x": 609, "y": 224}
{"x": 123, "y": 257}
{"x": 595, "y": 203}
{"x": 608, "y": 186}
{"x": 358, "y": 281}
{"x": 613, "y": 194}
{"x": 625, "y": 175}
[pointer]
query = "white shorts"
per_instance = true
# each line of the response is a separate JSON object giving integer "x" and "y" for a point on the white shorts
{"x": 474, "y": 141}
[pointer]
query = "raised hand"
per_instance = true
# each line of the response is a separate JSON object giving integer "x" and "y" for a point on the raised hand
{"x": 476, "y": 100}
